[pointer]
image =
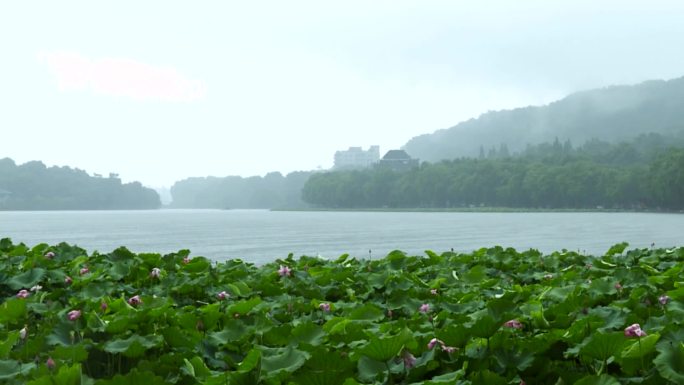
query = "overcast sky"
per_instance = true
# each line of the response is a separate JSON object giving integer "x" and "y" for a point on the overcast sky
{"x": 161, "y": 91}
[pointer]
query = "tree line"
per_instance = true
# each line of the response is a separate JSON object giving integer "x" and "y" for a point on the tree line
{"x": 233, "y": 192}
{"x": 643, "y": 174}
{"x": 33, "y": 186}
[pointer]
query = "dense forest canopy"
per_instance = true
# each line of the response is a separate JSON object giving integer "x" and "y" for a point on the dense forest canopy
{"x": 647, "y": 173}
{"x": 33, "y": 186}
{"x": 612, "y": 114}
{"x": 233, "y": 192}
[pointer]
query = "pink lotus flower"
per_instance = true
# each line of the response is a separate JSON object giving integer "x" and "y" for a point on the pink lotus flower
{"x": 433, "y": 342}
{"x": 284, "y": 271}
{"x": 155, "y": 272}
{"x": 68, "y": 280}
{"x": 222, "y": 295}
{"x": 548, "y": 276}
{"x": 50, "y": 363}
{"x": 664, "y": 299}
{"x": 448, "y": 349}
{"x": 324, "y": 306}
{"x": 74, "y": 315}
{"x": 23, "y": 293}
{"x": 84, "y": 271}
{"x": 634, "y": 330}
{"x": 409, "y": 359}
{"x": 135, "y": 300}
{"x": 514, "y": 324}
{"x": 424, "y": 308}
{"x": 433, "y": 291}
{"x": 23, "y": 333}
{"x": 186, "y": 260}
{"x": 618, "y": 286}
{"x": 104, "y": 306}
{"x": 49, "y": 255}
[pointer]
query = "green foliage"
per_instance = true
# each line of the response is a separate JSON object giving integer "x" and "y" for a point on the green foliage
{"x": 572, "y": 179}
{"x": 271, "y": 329}
{"x": 32, "y": 186}
{"x": 614, "y": 113}
{"x": 271, "y": 191}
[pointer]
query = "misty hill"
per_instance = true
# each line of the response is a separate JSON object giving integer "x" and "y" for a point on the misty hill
{"x": 33, "y": 186}
{"x": 233, "y": 192}
{"x": 611, "y": 114}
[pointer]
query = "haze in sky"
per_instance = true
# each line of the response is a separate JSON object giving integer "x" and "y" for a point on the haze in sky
{"x": 158, "y": 91}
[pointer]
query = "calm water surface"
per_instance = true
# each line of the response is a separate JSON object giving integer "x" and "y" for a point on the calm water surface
{"x": 262, "y": 236}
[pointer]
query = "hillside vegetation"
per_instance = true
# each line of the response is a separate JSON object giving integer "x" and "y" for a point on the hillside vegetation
{"x": 646, "y": 173}
{"x": 33, "y": 186}
{"x": 233, "y": 192}
{"x": 611, "y": 114}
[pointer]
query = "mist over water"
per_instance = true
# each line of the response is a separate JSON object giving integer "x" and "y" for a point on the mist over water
{"x": 262, "y": 236}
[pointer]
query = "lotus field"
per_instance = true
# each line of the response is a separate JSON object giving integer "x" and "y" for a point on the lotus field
{"x": 494, "y": 316}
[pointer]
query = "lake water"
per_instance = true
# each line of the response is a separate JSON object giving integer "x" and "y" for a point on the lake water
{"x": 261, "y": 236}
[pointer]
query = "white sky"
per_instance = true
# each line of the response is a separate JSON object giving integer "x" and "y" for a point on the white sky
{"x": 161, "y": 91}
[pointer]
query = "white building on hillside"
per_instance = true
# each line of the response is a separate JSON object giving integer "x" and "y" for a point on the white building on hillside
{"x": 356, "y": 157}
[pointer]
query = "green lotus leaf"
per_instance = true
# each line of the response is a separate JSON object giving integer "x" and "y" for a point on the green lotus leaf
{"x": 233, "y": 331}
{"x": 308, "y": 332}
{"x": 447, "y": 378}
{"x": 181, "y": 338}
{"x": 210, "y": 315}
{"x": 483, "y": 324}
{"x": 602, "y": 346}
{"x": 133, "y": 346}
{"x": 195, "y": 368}
{"x": 324, "y": 368}
{"x": 486, "y": 377}
{"x": 367, "y": 312}
{"x": 251, "y": 361}
{"x": 274, "y": 361}
{"x": 370, "y": 369}
{"x": 387, "y": 347}
{"x": 243, "y": 307}
{"x": 9, "y": 369}
{"x": 69, "y": 375}
{"x": 77, "y": 353}
{"x": 603, "y": 379}
{"x": 7, "y": 345}
{"x": 641, "y": 347}
{"x": 670, "y": 361}
{"x": 134, "y": 377}
{"x": 617, "y": 249}
{"x": 26, "y": 280}
{"x": 197, "y": 265}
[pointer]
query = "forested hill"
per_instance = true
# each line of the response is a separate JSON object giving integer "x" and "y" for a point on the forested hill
{"x": 614, "y": 114}
{"x": 645, "y": 174}
{"x": 33, "y": 186}
{"x": 233, "y": 192}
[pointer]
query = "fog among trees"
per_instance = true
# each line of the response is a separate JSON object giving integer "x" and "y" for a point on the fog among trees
{"x": 610, "y": 114}
{"x": 33, "y": 186}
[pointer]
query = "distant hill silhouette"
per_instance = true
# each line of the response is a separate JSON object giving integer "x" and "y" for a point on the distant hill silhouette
{"x": 612, "y": 114}
{"x": 33, "y": 186}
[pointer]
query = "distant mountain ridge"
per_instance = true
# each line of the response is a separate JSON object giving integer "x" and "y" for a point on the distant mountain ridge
{"x": 613, "y": 114}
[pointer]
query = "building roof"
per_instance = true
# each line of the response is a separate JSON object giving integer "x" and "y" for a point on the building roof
{"x": 396, "y": 155}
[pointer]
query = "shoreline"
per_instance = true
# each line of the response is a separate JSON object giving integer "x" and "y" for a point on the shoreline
{"x": 475, "y": 210}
